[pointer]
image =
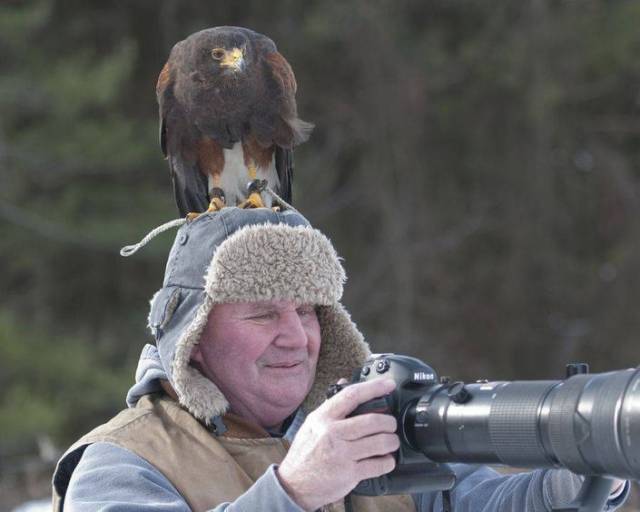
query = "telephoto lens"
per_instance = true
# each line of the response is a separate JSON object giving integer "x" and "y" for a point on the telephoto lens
{"x": 587, "y": 423}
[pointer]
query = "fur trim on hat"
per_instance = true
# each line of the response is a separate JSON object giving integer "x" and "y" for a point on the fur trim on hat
{"x": 342, "y": 350}
{"x": 273, "y": 262}
{"x": 276, "y": 261}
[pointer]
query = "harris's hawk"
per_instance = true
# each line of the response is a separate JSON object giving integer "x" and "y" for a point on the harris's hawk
{"x": 228, "y": 115}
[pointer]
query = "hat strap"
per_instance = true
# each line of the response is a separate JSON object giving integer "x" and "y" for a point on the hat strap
{"x": 129, "y": 250}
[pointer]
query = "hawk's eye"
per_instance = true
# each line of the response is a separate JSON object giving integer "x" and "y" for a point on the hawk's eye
{"x": 217, "y": 53}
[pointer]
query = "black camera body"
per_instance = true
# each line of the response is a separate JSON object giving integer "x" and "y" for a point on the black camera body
{"x": 588, "y": 423}
{"x": 413, "y": 471}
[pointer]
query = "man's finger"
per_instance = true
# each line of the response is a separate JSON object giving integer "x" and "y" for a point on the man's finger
{"x": 373, "y": 446}
{"x": 375, "y": 466}
{"x": 349, "y": 398}
{"x": 365, "y": 425}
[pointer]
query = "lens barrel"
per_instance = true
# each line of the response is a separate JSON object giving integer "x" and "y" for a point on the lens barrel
{"x": 589, "y": 423}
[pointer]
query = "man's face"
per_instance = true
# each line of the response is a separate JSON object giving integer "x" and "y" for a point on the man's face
{"x": 262, "y": 356}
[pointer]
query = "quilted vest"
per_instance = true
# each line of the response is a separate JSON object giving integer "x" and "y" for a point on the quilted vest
{"x": 205, "y": 469}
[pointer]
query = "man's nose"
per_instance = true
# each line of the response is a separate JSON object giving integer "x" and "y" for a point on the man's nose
{"x": 291, "y": 332}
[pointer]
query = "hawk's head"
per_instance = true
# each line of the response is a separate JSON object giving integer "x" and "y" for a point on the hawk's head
{"x": 222, "y": 55}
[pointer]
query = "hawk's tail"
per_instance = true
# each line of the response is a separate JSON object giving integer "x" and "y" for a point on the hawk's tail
{"x": 190, "y": 186}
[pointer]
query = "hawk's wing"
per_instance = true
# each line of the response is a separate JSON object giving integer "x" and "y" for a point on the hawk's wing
{"x": 291, "y": 128}
{"x": 295, "y": 130}
{"x": 190, "y": 186}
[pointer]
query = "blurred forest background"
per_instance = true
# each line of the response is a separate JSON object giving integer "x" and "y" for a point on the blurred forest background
{"x": 477, "y": 164}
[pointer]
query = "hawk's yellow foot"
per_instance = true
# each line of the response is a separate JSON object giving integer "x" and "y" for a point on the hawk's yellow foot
{"x": 253, "y": 171}
{"x": 253, "y": 201}
{"x": 254, "y": 190}
{"x": 217, "y": 203}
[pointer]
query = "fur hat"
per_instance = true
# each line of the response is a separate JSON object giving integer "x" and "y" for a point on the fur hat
{"x": 237, "y": 255}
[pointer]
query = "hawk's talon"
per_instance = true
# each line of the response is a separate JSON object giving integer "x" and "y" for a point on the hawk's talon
{"x": 253, "y": 201}
{"x": 217, "y": 192}
{"x": 216, "y": 204}
{"x": 254, "y": 189}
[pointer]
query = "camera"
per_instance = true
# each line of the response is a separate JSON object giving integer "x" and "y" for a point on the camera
{"x": 588, "y": 423}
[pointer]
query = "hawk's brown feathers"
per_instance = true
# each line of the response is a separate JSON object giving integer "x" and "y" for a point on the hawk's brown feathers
{"x": 227, "y": 106}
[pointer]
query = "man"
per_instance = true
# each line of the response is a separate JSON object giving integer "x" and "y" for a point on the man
{"x": 228, "y": 412}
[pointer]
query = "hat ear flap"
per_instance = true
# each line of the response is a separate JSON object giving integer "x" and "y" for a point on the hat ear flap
{"x": 198, "y": 393}
{"x": 342, "y": 351}
{"x": 163, "y": 305}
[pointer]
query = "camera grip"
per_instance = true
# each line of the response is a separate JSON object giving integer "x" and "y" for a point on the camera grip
{"x": 380, "y": 405}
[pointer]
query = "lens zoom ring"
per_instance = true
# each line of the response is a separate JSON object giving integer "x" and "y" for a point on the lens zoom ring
{"x": 514, "y": 425}
{"x": 561, "y": 423}
{"x": 605, "y": 420}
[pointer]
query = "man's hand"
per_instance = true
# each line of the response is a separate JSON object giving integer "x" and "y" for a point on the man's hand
{"x": 332, "y": 453}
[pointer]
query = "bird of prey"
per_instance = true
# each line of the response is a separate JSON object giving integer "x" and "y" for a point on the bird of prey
{"x": 228, "y": 116}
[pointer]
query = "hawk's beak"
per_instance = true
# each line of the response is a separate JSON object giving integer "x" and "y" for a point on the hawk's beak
{"x": 233, "y": 59}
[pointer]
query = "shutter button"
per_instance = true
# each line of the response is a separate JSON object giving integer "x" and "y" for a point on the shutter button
{"x": 382, "y": 366}
{"x": 183, "y": 239}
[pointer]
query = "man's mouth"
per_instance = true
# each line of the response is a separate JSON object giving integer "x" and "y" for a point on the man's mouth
{"x": 286, "y": 364}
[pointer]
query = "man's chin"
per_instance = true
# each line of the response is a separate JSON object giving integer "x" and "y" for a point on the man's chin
{"x": 291, "y": 397}
{"x": 286, "y": 387}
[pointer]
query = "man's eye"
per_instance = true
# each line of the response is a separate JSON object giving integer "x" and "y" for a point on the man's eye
{"x": 306, "y": 310}
{"x": 269, "y": 315}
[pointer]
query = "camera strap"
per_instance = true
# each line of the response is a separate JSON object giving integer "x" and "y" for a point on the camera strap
{"x": 446, "y": 501}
